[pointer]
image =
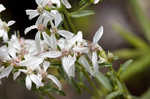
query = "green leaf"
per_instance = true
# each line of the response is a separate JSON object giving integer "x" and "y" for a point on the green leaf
{"x": 124, "y": 66}
{"x": 131, "y": 38}
{"x": 104, "y": 81}
{"x": 128, "y": 53}
{"x": 141, "y": 17}
{"x": 114, "y": 94}
{"x": 81, "y": 13}
{"x": 136, "y": 67}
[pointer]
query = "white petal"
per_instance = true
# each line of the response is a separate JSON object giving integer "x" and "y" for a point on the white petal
{"x": 57, "y": 18}
{"x": 96, "y": 1}
{"x": 28, "y": 83}
{"x": 28, "y": 29}
{"x": 11, "y": 23}
{"x": 68, "y": 65}
{"x": 5, "y": 36}
{"x": 76, "y": 38}
{"x": 57, "y": 2}
{"x": 38, "y": 41}
{"x": 46, "y": 65}
{"x": 53, "y": 41}
{"x": 95, "y": 62}
{"x": 32, "y": 62}
{"x": 32, "y": 13}
{"x": 38, "y": 2}
{"x": 16, "y": 75}
{"x": 66, "y": 3}
{"x": 47, "y": 38}
{"x": 51, "y": 54}
{"x": 6, "y": 72}
{"x": 36, "y": 80}
{"x": 83, "y": 61}
{"x": 98, "y": 35}
{"x": 2, "y": 8}
{"x": 61, "y": 43}
{"x": 81, "y": 49}
{"x": 66, "y": 34}
{"x": 4, "y": 53}
{"x": 55, "y": 80}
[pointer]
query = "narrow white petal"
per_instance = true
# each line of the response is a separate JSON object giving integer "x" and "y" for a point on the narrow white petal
{"x": 36, "y": 80}
{"x": 38, "y": 41}
{"x": 55, "y": 80}
{"x": 2, "y": 8}
{"x": 76, "y": 38}
{"x": 57, "y": 2}
{"x": 38, "y": 2}
{"x": 66, "y": 3}
{"x": 11, "y": 23}
{"x": 47, "y": 38}
{"x": 66, "y": 34}
{"x": 5, "y": 36}
{"x": 32, "y": 62}
{"x": 53, "y": 41}
{"x": 28, "y": 29}
{"x": 96, "y": 1}
{"x": 83, "y": 61}
{"x": 51, "y": 54}
{"x": 98, "y": 35}
{"x": 6, "y": 72}
{"x": 32, "y": 13}
{"x": 81, "y": 49}
{"x": 46, "y": 65}
{"x": 4, "y": 53}
{"x": 28, "y": 83}
{"x": 16, "y": 75}
{"x": 95, "y": 62}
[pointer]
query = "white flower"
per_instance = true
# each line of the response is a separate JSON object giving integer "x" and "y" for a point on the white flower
{"x": 2, "y": 8}
{"x": 67, "y": 44}
{"x": 32, "y": 78}
{"x": 4, "y": 29}
{"x": 39, "y": 11}
{"x": 43, "y": 74}
{"x": 95, "y": 45}
{"x": 32, "y": 64}
{"x": 68, "y": 65}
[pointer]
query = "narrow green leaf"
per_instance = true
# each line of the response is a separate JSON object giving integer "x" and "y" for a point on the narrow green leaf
{"x": 124, "y": 66}
{"x": 136, "y": 67}
{"x": 128, "y": 53}
{"x": 82, "y": 13}
{"x": 104, "y": 81}
{"x": 131, "y": 38}
{"x": 113, "y": 95}
{"x": 141, "y": 17}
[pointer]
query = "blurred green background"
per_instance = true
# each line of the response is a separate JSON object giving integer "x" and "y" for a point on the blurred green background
{"x": 126, "y": 33}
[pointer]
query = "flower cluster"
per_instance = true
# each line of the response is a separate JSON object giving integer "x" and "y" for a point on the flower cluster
{"x": 33, "y": 58}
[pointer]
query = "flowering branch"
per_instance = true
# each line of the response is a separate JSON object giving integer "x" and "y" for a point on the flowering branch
{"x": 55, "y": 48}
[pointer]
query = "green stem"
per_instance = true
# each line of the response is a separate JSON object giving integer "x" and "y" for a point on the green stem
{"x": 90, "y": 81}
{"x": 68, "y": 19}
{"x": 121, "y": 85}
